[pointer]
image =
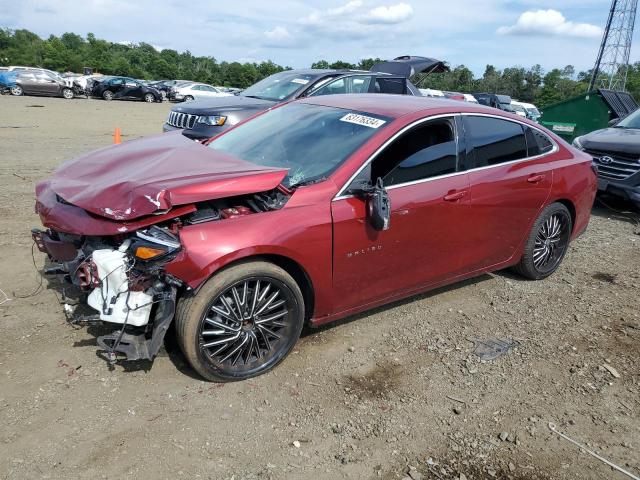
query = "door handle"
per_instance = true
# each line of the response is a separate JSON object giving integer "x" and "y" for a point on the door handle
{"x": 454, "y": 196}
{"x": 535, "y": 178}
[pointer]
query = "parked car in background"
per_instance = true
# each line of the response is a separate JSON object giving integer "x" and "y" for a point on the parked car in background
{"x": 532, "y": 111}
{"x": 165, "y": 85}
{"x": 430, "y": 92}
{"x": 7, "y": 81}
{"x": 124, "y": 88}
{"x": 203, "y": 119}
{"x": 187, "y": 92}
{"x": 616, "y": 153}
{"x": 501, "y": 102}
{"x": 311, "y": 211}
{"x": 42, "y": 82}
{"x": 518, "y": 108}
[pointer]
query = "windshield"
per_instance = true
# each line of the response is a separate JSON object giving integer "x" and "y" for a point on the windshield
{"x": 630, "y": 121}
{"x": 517, "y": 108}
{"x": 278, "y": 87}
{"x": 310, "y": 141}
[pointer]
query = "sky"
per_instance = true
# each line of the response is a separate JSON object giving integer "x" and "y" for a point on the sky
{"x": 552, "y": 33}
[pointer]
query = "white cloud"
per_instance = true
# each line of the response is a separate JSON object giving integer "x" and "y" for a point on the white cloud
{"x": 277, "y": 34}
{"x": 279, "y": 37}
{"x": 347, "y": 8}
{"x": 550, "y": 22}
{"x": 357, "y": 20}
{"x": 390, "y": 15}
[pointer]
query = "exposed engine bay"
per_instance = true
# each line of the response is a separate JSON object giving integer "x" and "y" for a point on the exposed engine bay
{"x": 123, "y": 277}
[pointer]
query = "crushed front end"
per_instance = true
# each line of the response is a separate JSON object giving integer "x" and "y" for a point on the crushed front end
{"x": 120, "y": 266}
{"x": 124, "y": 281}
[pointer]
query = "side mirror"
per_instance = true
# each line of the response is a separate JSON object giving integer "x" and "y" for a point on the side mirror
{"x": 613, "y": 123}
{"x": 379, "y": 207}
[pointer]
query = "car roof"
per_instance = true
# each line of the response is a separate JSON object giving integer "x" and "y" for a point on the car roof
{"x": 390, "y": 105}
{"x": 329, "y": 71}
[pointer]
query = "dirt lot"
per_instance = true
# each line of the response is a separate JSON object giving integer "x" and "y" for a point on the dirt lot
{"x": 370, "y": 397}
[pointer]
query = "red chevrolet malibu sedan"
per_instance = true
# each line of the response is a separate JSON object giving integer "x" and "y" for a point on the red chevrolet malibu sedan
{"x": 307, "y": 213}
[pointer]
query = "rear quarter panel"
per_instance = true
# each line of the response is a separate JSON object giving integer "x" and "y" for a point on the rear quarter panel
{"x": 574, "y": 180}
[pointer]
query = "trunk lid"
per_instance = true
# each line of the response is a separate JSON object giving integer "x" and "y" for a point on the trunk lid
{"x": 153, "y": 174}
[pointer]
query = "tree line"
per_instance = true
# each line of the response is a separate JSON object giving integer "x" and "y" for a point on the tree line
{"x": 72, "y": 52}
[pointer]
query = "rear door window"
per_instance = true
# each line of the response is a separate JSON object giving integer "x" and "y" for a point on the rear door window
{"x": 396, "y": 86}
{"x": 493, "y": 141}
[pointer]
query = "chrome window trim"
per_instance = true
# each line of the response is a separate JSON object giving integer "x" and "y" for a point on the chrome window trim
{"x": 341, "y": 195}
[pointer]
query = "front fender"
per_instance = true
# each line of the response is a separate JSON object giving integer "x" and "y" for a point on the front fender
{"x": 300, "y": 234}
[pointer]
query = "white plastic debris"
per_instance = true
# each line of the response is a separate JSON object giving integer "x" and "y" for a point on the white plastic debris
{"x": 4, "y": 298}
{"x": 110, "y": 298}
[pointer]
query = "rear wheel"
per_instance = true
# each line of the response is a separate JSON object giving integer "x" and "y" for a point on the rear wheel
{"x": 149, "y": 98}
{"x": 547, "y": 243}
{"x": 107, "y": 95}
{"x": 67, "y": 93}
{"x": 242, "y": 323}
{"x": 17, "y": 91}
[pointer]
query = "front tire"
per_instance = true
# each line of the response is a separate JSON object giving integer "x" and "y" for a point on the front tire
{"x": 17, "y": 91}
{"x": 68, "y": 93}
{"x": 149, "y": 98}
{"x": 547, "y": 243}
{"x": 107, "y": 95}
{"x": 243, "y": 322}
{"x": 188, "y": 98}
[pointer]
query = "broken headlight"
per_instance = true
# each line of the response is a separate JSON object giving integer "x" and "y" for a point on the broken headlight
{"x": 213, "y": 120}
{"x": 155, "y": 244}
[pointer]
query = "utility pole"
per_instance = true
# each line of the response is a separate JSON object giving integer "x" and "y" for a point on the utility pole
{"x": 612, "y": 62}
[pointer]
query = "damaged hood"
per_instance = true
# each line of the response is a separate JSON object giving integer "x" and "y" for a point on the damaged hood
{"x": 153, "y": 174}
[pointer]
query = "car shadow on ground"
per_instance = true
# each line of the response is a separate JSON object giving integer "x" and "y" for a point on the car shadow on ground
{"x": 67, "y": 294}
{"x": 398, "y": 303}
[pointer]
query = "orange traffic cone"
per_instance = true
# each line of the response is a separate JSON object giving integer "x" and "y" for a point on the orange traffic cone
{"x": 116, "y": 136}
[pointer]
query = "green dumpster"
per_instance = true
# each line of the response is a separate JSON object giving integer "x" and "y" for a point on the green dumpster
{"x": 587, "y": 112}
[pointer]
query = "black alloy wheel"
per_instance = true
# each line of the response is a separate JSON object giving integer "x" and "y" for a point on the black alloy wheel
{"x": 242, "y": 323}
{"x": 547, "y": 243}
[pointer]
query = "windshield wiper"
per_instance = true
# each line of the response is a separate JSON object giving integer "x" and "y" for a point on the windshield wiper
{"x": 304, "y": 183}
{"x": 254, "y": 96}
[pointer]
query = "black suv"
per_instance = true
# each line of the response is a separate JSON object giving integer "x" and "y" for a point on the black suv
{"x": 124, "y": 88}
{"x": 616, "y": 154}
{"x": 203, "y": 119}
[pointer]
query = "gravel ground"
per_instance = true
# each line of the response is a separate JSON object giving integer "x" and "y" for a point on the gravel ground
{"x": 393, "y": 393}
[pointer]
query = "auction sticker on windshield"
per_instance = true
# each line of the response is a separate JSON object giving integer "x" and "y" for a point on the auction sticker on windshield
{"x": 301, "y": 81}
{"x": 363, "y": 120}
